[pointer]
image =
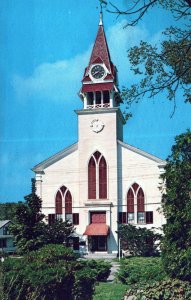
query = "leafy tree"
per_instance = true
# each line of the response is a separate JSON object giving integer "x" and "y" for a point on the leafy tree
{"x": 7, "y": 211}
{"x": 176, "y": 203}
{"x": 59, "y": 232}
{"x": 139, "y": 241}
{"x": 31, "y": 232}
{"x": 164, "y": 68}
{"x": 28, "y": 229}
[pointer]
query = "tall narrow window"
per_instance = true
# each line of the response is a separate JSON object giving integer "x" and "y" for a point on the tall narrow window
{"x": 90, "y": 97}
{"x": 106, "y": 97}
{"x": 102, "y": 178}
{"x": 130, "y": 205}
{"x": 98, "y": 97}
{"x": 135, "y": 193}
{"x": 58, "y": 203}
{"x": 140, "y": 206}
{"x": 97, "y": 177}
{"x": 63, "y": 199}
{"x": 92, "y": 179}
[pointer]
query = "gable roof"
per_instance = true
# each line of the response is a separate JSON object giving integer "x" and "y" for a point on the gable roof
{"x": 161, "y": 162}
{"x": 54, "y": 158}
{"x": 4, "y": 222}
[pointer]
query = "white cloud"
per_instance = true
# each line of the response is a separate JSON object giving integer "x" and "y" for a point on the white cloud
{"x": 120, "y": 39}
{"x": 61, "y": 80}
{"x": 53, "y": 81}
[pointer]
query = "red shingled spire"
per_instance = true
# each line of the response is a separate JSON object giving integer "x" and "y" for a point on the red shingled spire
{"x": 100, "y": 74}
{"x": 100, "y": 52}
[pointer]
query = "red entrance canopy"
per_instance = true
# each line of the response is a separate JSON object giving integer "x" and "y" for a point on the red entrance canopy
{"x": 97, "y": 229}
{"x": 107, "y": 86}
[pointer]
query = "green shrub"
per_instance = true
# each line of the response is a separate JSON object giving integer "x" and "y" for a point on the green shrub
{"x": 84, "y": 284}
{"x": 141, "y": 270}
{"x": 172, "y": 289}
{"x": 139, "y": 241}
{"x": 101, "y": 267}
{"x": 51, "y": 273}
{"x": 51, "y": 254}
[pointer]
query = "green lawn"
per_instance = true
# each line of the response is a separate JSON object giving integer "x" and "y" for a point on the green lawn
{"x": 109, "y": 291}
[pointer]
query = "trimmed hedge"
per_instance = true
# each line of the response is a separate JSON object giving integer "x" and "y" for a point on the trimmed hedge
{"x": 51, "y": 273}
{"x": 141, "y": 270}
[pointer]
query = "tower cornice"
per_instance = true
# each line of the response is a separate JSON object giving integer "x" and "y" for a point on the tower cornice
{"x": 102, "y": 111}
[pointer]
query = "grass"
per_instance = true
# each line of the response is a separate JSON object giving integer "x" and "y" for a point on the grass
{"x": 109, "y": 291}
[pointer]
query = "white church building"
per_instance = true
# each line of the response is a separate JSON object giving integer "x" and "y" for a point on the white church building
{"x": 100, "y": 181}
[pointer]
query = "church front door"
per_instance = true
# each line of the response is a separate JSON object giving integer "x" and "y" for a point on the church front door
{"x": 97, "y": 243}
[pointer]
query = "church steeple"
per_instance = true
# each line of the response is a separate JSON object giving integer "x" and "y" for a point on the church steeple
{"x": 99, "y": 83}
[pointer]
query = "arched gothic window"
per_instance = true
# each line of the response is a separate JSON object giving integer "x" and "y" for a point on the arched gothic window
{"x": 97, "y": 177}
{"x": 135, "y": 194}
{"x": 63, "y": 198}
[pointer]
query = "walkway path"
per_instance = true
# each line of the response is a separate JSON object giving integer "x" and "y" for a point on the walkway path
{"x": 114, "y": 269}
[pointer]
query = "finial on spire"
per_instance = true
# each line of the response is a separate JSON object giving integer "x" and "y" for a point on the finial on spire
{"x": 101, "y": 19}
{"x": 102, "y": 2}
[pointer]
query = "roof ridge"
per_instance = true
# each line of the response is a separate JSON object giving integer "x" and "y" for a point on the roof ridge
{"x": 142, "y": 152}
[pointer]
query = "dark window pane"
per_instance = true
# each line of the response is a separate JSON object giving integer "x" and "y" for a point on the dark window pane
{"x": 149, "y": 217}
{"x": 51, "y": 219}
{"x": 75, "y": 219}
{"x": 92, "y": 179}
{"x": 98, "y": 97}
{"x": 130, "y": 201}
{"x": 106, "y": 98}
{"x": 102, "y": 179}
{"x": 58, "y": 203}
{"x": 68, "y": 203}
{"x": 140, "y": 201}
{"x": 90, "y": 97}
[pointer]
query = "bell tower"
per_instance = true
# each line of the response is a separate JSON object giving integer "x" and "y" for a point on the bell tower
{"x": 100, "y": 82}
{"x": 100, "y": 126}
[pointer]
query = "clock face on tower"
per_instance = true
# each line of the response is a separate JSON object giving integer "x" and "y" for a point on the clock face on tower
{"x": 97, "y": 71}
{"x": 97, "y": 125}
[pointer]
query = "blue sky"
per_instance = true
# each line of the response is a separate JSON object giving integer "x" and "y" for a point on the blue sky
{"x": 45, "y": 46}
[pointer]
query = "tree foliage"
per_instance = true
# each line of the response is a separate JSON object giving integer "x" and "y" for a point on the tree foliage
{"x": 165, "y": 68}
{"x": 7, "y": 211}
{"x": 139, "y": 241}
{"x": 29, "y": 229}
{"x": 176, "y": 203}
{"x": 58, "y": 232}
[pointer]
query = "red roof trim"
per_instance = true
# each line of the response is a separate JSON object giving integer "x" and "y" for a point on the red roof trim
{"x": 97, "y": 229}
{"x": 97, "y": 87}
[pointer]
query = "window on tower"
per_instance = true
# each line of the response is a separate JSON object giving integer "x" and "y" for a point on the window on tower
{"x": 90, "y": 98}
{"x": 97, "y": 177}
{"x": 106, "y": 97}
{"x": 98, "y": 97}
